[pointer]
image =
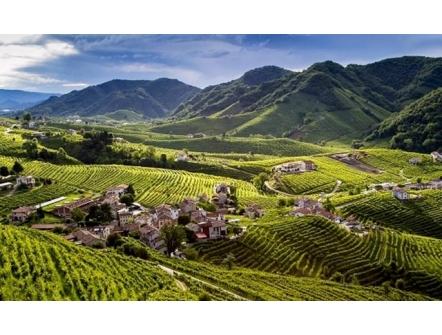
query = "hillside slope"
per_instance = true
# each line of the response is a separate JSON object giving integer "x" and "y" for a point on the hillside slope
{"x": 325, "y": 102}
{"x": 418, "y": 127}
{"x": 155, "y": 98}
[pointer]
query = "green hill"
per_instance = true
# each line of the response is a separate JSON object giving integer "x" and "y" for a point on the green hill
{"x": 326, "y": 102}
{"x": 418, "y": 127}
{"x": 155, "y": 98}
{"x": 314, "y": 247}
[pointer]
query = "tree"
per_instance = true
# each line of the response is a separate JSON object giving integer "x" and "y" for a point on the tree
{"x": 259, "y": 180}
{"x": 282, "y": 202}
{"x": 17, "y": 167}
{"x": 104, "y": 213}
{"x": 191, "y": 254}
{"x": 386, "y": 286}
{"x": 229, "y": 260}
{"x": 173, "y": 236}
{"x": 204, "y": 297}
{"x": 183, "y": 219}
{"x": 130, "y": 190}
{"x": 400, "y": 284}
{"x": 31, "y": 147}
{"x": 112, "y": 239}
{"x": 419, "y": 180}
{"x": 127, "y": 199}
{"x": 77, "y": 214}
{"x": 4, "y": 171}
{"x": 27, "y": 117}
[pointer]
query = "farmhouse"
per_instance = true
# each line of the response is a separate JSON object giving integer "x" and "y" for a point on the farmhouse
{"x": 117, "y": 190}
{"x": 308, "y": 203}
{"x": 21, "y": 214}
{"x": 28, "y": 181}
{"x": 295, "y": 167}
{"x": 400, "y": 193}
{"x": 415, "y": 161}
{"x": 253, "y": 211}
{"x": 87, "y": 238}
{"x": 188, "y": 205}
{"x": 64, "y": 211}
{"x": 151, "y": 236}
{"x": 124, "y": 216}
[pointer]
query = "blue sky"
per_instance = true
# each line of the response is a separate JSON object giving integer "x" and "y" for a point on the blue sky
{"x": 62, "y": 63}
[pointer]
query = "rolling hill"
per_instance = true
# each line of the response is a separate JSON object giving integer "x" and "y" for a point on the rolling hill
{"x": 416, "y": 128}
{"x": 326, "y": 102}
{"x": 152, "y": 99}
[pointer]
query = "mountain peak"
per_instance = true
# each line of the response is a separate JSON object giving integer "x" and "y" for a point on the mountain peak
{"x": 263, "y": 74}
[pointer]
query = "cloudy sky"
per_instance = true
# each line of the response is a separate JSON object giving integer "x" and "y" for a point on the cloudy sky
{"x": 62, "y": 63}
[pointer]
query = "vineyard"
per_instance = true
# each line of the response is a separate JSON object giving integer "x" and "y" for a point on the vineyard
{"x": 35, "y": 196}
{"x": 42, "y": 266}
{"x": 154, "y": 186}
{"x": 415, "y": 217}
{"x": 315, "y": 247}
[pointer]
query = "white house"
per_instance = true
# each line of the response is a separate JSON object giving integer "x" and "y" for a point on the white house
{"x": 400, "y": 193}
{"x": 182, "y": 157}
{"x": 28, "y": 181}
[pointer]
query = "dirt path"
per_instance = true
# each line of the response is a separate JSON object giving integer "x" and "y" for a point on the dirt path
{"x": 338, "y": 184}
{"x": 11, "y": 192}
{"x": 266, "y": 183}
{"x": 181, "y": 285}
{"x": 173, "y": 272}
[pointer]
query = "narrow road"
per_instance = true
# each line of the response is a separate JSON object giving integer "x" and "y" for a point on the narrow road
{"x": 338, "y": 183}
{"x": 11, "y": 193}
{"x": 181, "y": 285}
{"x": 266, "y": 183}
{"x": 172, "y": 272}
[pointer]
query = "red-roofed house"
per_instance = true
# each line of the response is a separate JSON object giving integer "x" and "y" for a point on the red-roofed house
{"x": 21, "y": 214}
{"x": 64, "y": 211}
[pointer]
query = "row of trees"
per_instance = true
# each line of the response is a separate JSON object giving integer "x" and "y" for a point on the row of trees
{"x": 16, "y": 168}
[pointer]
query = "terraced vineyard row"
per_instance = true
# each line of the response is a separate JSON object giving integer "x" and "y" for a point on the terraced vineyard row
{"x": 276, "y": 146}
{"x": 259, "y": 285}
{"x": 417, "y": 217}
{"x": 153, "y": 186}
{"x": 35, "y": 196}
{"x": 42, "y": 266}
{"x": 314, "y": 247}
{"x": 309, "y": 182}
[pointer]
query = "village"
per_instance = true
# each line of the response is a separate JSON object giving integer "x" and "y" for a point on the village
{"x": 203, "y": 223}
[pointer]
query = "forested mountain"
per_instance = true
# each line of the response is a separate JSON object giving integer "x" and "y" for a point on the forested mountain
{"x": 155, "y": 98}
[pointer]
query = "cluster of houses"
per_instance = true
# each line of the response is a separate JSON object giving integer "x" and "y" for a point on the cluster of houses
{"x": 291, "y": 167}
{"x": 306, "y": 206}
{"x": 135, "y": 218}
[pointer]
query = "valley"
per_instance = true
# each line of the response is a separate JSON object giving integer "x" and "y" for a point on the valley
{"x": 323, "y": 184}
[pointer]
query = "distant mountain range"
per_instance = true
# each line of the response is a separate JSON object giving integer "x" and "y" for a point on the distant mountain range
{"x": 326, "y": 102}
{"x": 155, "y": 99}
{"x": 18, "y": 100}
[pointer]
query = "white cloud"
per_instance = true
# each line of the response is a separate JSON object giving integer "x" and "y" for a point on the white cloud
{"x": 75, "y": 85}
{"x": 19, "y": 52}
